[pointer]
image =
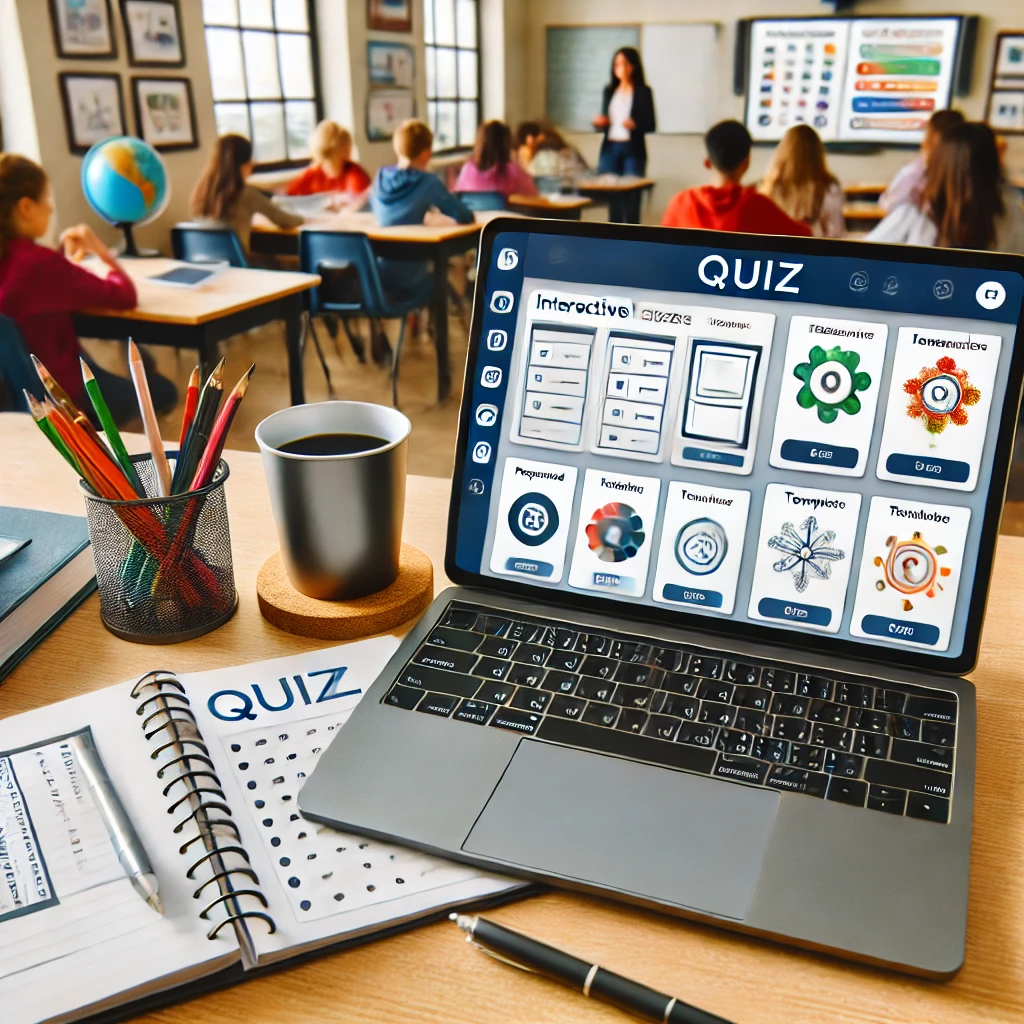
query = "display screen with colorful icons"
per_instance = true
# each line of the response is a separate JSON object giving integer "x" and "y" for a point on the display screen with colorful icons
{"x": 810, "y": 439}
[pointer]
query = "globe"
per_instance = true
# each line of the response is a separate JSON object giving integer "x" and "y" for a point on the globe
{"x": 125, "y": 181}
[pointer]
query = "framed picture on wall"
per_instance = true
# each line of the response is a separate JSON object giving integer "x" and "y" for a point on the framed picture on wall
{"x": 83, "y": 29}
{"x": 386, "y": 109}
{"x": 153, "y": 31}
{"x": 1005, "y": 112}
{"x": 389, "y": 15}
{"x": 165, "y": 114}
{"x": 391, "y": 65}
{"x": 93, "y": 108}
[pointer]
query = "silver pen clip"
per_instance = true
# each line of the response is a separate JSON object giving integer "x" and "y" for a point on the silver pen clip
{"x": 499, "y": 957}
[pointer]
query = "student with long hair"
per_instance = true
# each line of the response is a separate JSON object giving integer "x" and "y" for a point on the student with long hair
{"x": 332, "y": 168}
{"x": 221, "y": 196}
{"x": 492, "y": 167}
{"x": 966, "y": 202}
{"x": 554, "y": 157}
{"x": 800, "y": 183}
{"x": 527, "y": 138}
{"x": 908, "y": 184}
{"x": 40, "y": 289}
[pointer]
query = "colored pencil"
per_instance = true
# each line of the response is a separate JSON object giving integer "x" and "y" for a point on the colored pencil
{"x": 202, "y": 424}
{"x": 63, "y": 400}
{"x": 161, "y": 467}
{"x": 39, "y": 415}
{"x": 218, "y": 435}
{"x": 191, "y": 401}
{"x": 92, "y": 389}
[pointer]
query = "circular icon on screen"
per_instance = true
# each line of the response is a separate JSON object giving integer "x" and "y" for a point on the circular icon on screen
{"x": 615, "y": 532}
{"x": 941, "y": 394}
{"x": 990, "y": 295}
{"x": 701, "y": 546}
{"x": 533, "y": 519}
{"x": 943, "y": 289}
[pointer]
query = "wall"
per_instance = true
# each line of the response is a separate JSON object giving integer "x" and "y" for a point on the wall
{"x": 676, "y": 160}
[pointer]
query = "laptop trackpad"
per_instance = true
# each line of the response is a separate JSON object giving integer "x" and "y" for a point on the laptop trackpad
{"x": 672, "y": 837}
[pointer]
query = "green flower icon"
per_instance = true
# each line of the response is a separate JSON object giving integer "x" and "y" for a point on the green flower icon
{"x": 831, "y": 382}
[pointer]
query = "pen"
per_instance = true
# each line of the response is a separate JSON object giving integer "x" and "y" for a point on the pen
{"x": 122, "y": 832}
{"x": 530, "y": 955}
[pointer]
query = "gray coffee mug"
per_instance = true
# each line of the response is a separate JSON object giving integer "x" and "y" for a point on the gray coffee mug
{"x": 339, "y": 517}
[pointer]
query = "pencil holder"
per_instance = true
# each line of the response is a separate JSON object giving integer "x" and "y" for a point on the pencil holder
{"x": 163, "y": 565}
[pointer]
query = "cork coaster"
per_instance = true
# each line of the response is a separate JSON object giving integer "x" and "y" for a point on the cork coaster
{"x": 283, "y": 606}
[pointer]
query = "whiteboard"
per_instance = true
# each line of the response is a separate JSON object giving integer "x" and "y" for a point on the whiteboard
{"x": 682, "y": 67}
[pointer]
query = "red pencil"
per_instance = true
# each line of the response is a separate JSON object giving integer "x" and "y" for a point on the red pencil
{"x": 191, "y": 401}
{"x": 219, "y": 434}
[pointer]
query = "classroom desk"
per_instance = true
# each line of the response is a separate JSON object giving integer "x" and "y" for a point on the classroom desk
{"x": 862, "y": 216}
{"x": 198, "y": 318}
{"x": 613, "y": 190}
{"x": 430, "y": 973}
{"x": 556, "y": 207}
{"x": 866, "y": 192}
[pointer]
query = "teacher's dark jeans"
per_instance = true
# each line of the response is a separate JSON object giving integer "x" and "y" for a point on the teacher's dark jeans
{"x": 620, "y": 158}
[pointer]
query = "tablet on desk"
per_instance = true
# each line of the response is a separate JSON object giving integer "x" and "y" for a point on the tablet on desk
{"x": 189, "y": 275}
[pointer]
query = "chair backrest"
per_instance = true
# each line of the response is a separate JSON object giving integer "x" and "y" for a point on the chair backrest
{"x": 16, "y": 368}
{"x": 199, "y": 244}
{"x": 484, "y": 200}
{"x": 325, "y": 250}
{"x": 548, "y": 184}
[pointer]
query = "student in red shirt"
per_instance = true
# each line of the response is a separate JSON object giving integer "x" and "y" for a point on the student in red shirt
{"x": 727, "y": 205}
{"x": 332, "y": 169}
{"x": 40, "y": 289}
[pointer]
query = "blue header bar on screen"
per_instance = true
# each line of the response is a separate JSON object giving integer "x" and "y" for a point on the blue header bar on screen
{"x": 911, "y": 287}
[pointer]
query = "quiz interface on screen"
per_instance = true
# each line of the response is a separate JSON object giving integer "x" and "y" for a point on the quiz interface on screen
{"x": 813, "y": 467}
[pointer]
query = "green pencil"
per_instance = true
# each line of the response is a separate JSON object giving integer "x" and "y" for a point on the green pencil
{"x": 110, "y": 428}
{"x": 39, "y": 415}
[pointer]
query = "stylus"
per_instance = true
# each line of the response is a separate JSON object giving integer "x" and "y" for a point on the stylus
{"x": 594, "y": 982}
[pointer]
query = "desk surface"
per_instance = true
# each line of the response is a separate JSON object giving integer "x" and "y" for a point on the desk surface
{"x": 552, "y": 202}
{"x": 864, "y": 189}
{"x": 367, "y": 223}
{"x": 231, "y": 292}
{"x": 614, "y": 183}
{"x": 429, "y": 974}
{"x": 863, "y": 211}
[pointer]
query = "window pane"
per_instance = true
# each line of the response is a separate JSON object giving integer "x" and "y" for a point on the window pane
{"x": 299, "y": 120}
{"x": 227, "y": 75}
{"x": 296, "y": 66}
{"x": 232, "y": 118}
{"x": 291, "y": 15}
{"x": 428, "y": 57}
{"x": 465, "y": 18}
{"x": 467, "y": 74}
{"x": 256, "y": 13}
{"x": 261, "y": 65}
{"x": 468, "y": 122}
{"x": 220, "y": 12}
{"x": 428, "y": 21}
{"x": 268, "y": 139}
{"x": 444, "y": 22}
{"x": 446, "y": 73}
{"x": 444, "y": 128}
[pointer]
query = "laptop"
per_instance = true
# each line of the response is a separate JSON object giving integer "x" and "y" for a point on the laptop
{"x": 722, "y": 527}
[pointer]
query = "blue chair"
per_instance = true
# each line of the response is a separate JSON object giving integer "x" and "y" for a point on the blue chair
{"x": 16, "y": 368}
{"x": 337, "y": 250}
{"x": 484, "y": 200}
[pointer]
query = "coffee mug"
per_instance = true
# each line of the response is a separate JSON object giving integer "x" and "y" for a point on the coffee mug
{"x": 336, "y": 474}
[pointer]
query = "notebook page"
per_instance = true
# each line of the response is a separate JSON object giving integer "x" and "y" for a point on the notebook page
{"x": 269, "y": 723}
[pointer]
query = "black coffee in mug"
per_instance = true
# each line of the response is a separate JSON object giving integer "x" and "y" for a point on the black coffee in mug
{"x": 332, "y": 444}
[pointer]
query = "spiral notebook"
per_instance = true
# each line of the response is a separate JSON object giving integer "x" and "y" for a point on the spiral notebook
{"x": 208, "y": 767}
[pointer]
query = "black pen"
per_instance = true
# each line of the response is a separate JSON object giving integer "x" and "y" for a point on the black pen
{"x": 594, "y": 982}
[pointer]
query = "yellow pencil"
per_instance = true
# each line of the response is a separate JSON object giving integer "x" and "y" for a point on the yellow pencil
{"x": 161, "y": 466}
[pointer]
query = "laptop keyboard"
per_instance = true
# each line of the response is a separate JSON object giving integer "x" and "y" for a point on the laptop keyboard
{"x": 885, "y": 747}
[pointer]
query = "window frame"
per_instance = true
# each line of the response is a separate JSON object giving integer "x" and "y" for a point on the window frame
{"x": 456, "y": 99}
{"x": 314, "y": 47}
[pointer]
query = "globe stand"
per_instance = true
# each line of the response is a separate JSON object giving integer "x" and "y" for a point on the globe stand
{"x": 130, "y": 250}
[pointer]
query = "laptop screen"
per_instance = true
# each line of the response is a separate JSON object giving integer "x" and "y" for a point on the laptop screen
{"x": 804, "y": 440}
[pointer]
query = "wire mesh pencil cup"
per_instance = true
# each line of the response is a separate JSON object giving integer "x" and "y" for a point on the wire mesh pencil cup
{"x": 163, "y": 565}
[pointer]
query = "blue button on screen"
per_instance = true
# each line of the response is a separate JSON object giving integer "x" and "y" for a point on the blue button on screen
{"x": 900, "y": 629}
{"x": 791, "y": 611}
{"x": 710, "y": 455}
{"x": 816, "y": 454}
{"x": 691, "y": 595}
{"x": 928, "y": 467}
{"x": 529, "y": 565}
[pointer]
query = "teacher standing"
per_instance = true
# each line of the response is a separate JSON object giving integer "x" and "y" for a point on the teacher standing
{"x": 627, "y": 115}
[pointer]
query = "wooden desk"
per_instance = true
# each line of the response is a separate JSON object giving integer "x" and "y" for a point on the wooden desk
{"x": 556, "y": 207}
{"x": 864, "y": 192}
{"x": 616, "y": 191}
{"x": 199, "y": 318}
{"x": 862, "y": 216}
{"x": 430, "y": 974}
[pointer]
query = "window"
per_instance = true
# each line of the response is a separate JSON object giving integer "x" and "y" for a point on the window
{"x": 262, "y": 56}
{"x": 451, "y": 32}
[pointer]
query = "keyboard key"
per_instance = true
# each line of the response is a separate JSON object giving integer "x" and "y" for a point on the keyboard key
{"x": 765, "y": 749}
{"x": 595, "y": 689}
{"x": 707, "y": 668}
{"x": 456, "y": 639}
{"x": 870, "y": 721}
{"x": 871, "y": 744}
{"x": 625, "y": 744}
{"x": 890, "y": 700}
{"x": 495, "y": 625}
{"x": 601, "y": 714}
{"x": 734, "y": 741}
{"x": 698, "y": 735}
{"x": 826, "y": 711}
{"x": 523, "y": 632}
{"x": 602, "y": 645}
{"x": 681, "y": 684}
{"x": 459, "y": 618}
{"x": 525, "y": 675}
{"x": 475, "y": 711}
{"x": 796, "y": 729}
{"x": 847, "y": 791}
{"x": 438, "y": 704}
{"x": 811, "y": 758}
{"x": 751, "y": 697}
{"x": 663, "y": 727}
{"x": 632, "y": 720}
{"x": 632, "y": 696}
{"x": 942, "y": 734}
{"x": 518, "y": 721}
{"x": 885, "y": 798}
{"x": 797, "y": 780}
{"x": 451, "y": 661}
{"x": 403, "y": 696}
{"x": 441, "y": 682}
{"x": 740, "y": 769}
{"x": 635, "y": 674}
{"x": 495, "y": 692}
{"x": 813, "y": 686}
{"x": 905, "y": 776}
{"x": 931, "y": 707}
{"x": 750, "y": 720}
{"x": 492, "y": 668}
{"x": 904, "y": 728}
{"x": 635, "y": 653}
{"x": 669, "y": 659}
{"x": 567, "y": 707}
{"x": 777, "y": 680}
{"x": 601, "y": 668}
{"x": 855, "y": 694}
{"x": 931, "y": 808}
{"x": 530, "y": 700}
{"x": 721, "y": 692}
{"x": 531, "y": 654}
{"x": 497, "y": 647}
{"x": 564, "y": 661}
{"x": 560, "y": 682}
{"x": 923, "y": 754}
{"x": 738, "y": 672}
{"x": 832, "y": 736}
{"x": 676, "y": 704}
{"x": 839, "y": 763}
{"x": 565, "y": 639}
{"x": 790, "y": 704}
{"x": 717, "y": 714}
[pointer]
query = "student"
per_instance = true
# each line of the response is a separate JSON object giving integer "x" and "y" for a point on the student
{"x": 528, "y": 136}
{"x": 727, "y": 205}
{"x": 966, "y": 202}
{"x": 908, "y": 184}
{"x": 332, "y": 169}
{"x": 799, "y": 182}
{"x": 40, "y": 289}
{"x": 554, "y": 157}
{"x": 491, "y": 168}
{"x": 222, "y": 198}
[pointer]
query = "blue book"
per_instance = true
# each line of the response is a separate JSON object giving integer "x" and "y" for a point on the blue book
{"x": 42, "y": 581}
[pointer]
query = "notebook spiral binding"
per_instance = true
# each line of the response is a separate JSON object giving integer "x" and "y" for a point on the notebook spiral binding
{"x": 166, "y": 713}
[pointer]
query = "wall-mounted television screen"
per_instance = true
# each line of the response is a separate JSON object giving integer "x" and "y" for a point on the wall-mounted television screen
{"x": 874, "y": 80}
